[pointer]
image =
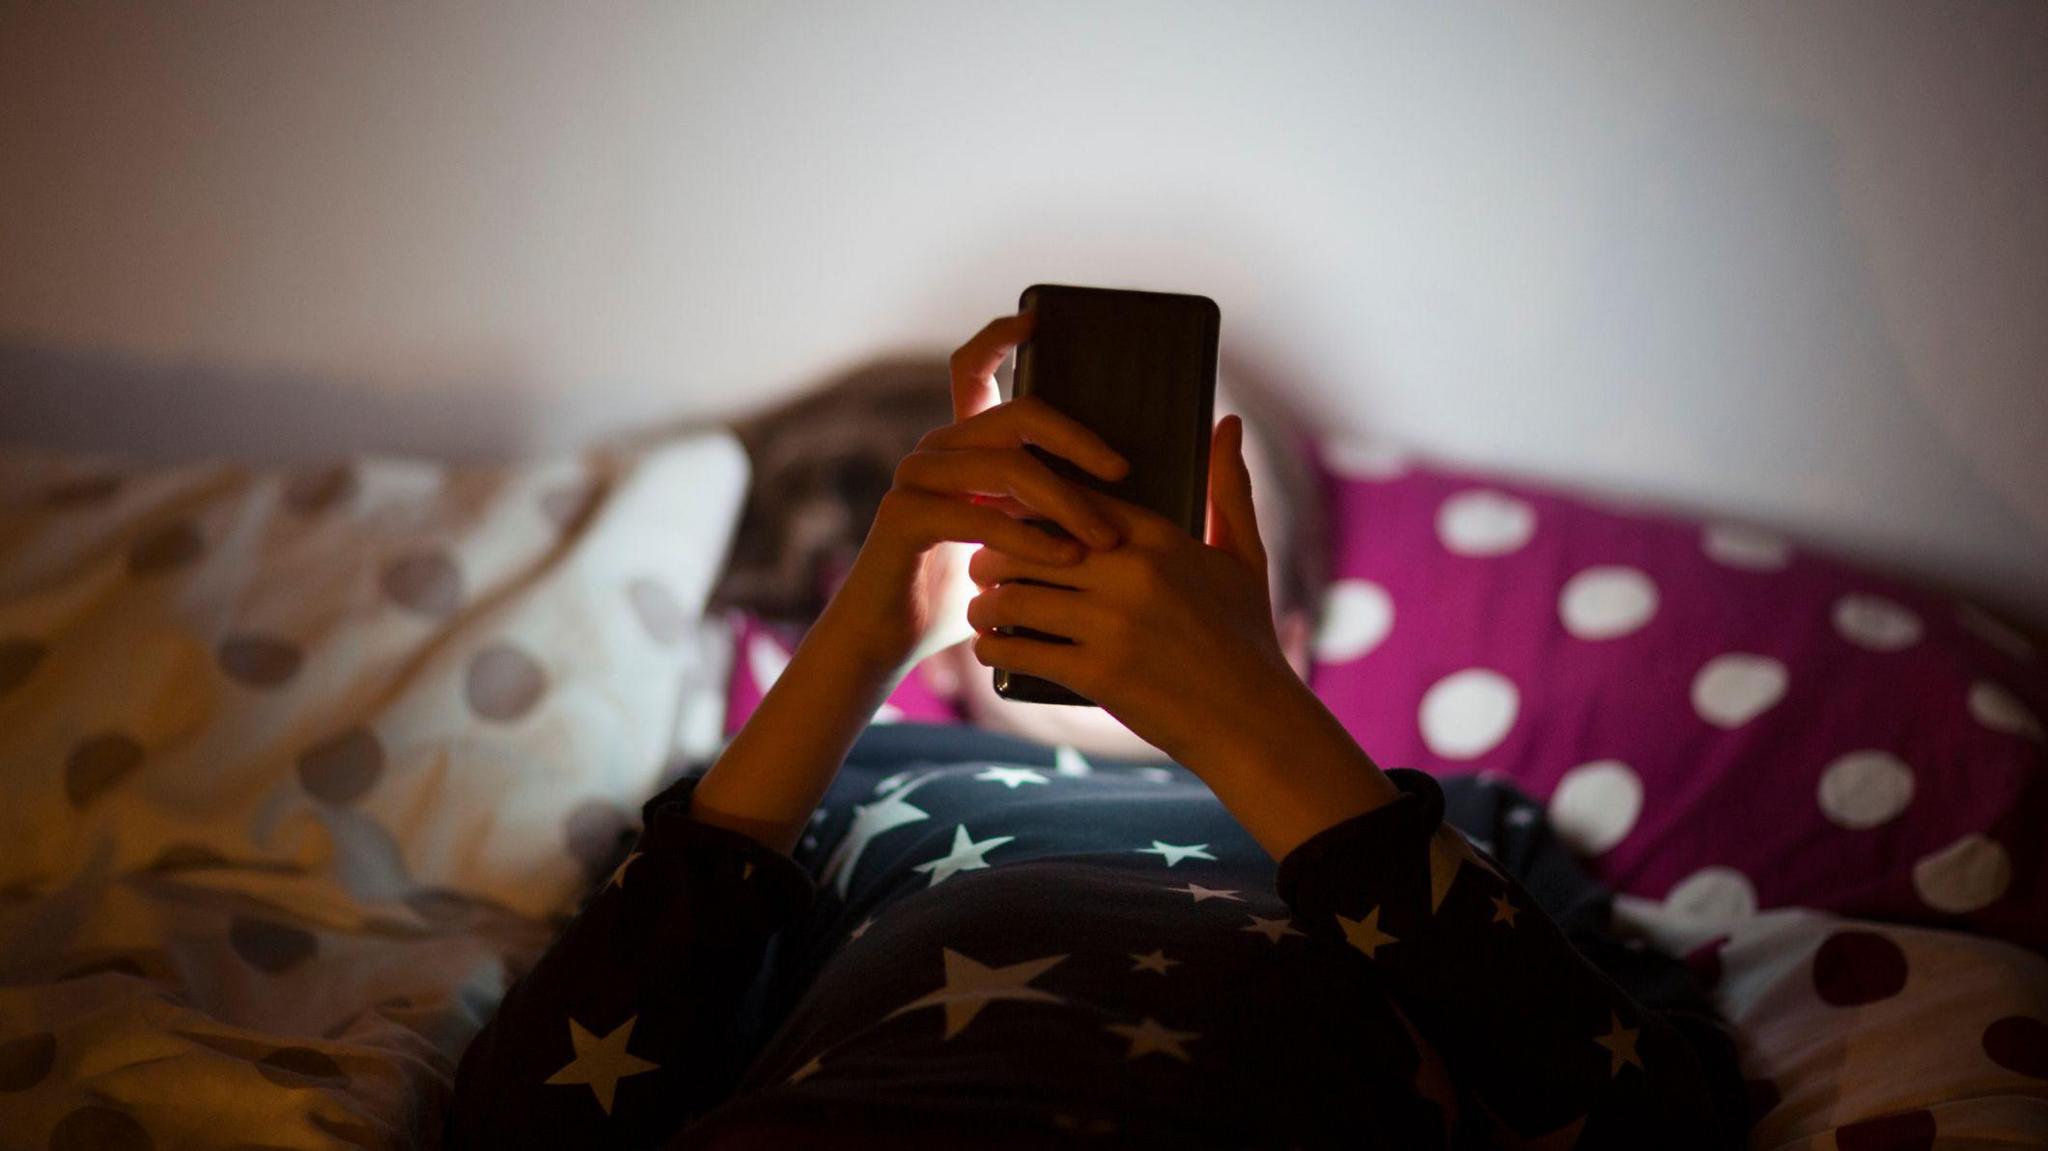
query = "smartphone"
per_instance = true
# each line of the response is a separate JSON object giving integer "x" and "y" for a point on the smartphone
{"x": 1139, "y": 369}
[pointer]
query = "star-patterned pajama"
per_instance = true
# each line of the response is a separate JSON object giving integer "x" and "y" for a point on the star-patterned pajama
{"x": 987, "y": 942}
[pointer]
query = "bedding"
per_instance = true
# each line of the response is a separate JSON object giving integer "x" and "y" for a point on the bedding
{"x": 303, "y": 766}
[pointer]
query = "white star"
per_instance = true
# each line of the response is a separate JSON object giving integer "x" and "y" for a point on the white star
{"x": 1365, "y": 934}
{"x": 1010, "y": 777}
{"x": 1155, "y": 775}
{"x": 1157, "y": 961}
{"x": 1068, "y": 760}
{"x": 892, "y": 782}
{"x": 818, "y": 816}
{"x": 970, "y": 986}
{"x": 857, "y": 932}
{"x": 805, "y": 1072}
{"x": 965, "y": 856}
{"x": 601, "y": 1063}
{"x": 1202, "y": 894}
{"x": 1176, "y": 854}
{"x": 1620, "y": 1043}
{"x": 1273, "y": 929}
{"x": 618, "y": 878}
{"x": 1150, "y": 1036}
{"x": 869, "y": 821}
{"x": 1448, "y": 852}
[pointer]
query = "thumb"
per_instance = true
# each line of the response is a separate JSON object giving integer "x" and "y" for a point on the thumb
{"x": 1233, "y": 521}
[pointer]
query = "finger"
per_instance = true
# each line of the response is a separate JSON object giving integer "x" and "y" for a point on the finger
{"x": 930, "y": 518}
{"x": 1031, "y": 420}
{"x": 1058, "y": 662}
{"x": 988, "y": 567}
{"x": 1054, "y": 611}
{"x": 1012, "y": 472}
{"x": 974, "y": 363}
{"x": 1233, "y": 518}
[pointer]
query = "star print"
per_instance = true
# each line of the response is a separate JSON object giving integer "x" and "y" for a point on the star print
{"x": 601, "y": 1063}
{"x": 869, "y": 821}
{"x": 1155, "y": 775}
{"x": 1176, "y": 854}
{"x": 805, "y": 1072}
{"x": 892, "y": 782}
{"x": 1273, "y": 929}
{"x": 1365, "y": 934}
{"x": 1504, "y": 911}
{"x": 618, "y": 878}
{"x": 1157, "y": 961}
{"x": 1011, "y": 777}
{"x": 1151, "y": 1036}
{"x": 1621, "y": 1046}
{"x": 857, "y": 932}
{"x": 1203, "y": 894}
{"x": 1449, "y": 851}
{"x": 965, "y": 856}
{"x": 1068, "y": 760}
{"x": 971, "y": 986}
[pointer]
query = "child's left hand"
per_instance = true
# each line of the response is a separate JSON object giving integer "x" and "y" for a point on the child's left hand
{"x": 1172, "y": 636}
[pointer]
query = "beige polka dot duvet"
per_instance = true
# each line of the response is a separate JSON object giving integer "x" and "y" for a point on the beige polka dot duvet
{"x": 299, "y": 763}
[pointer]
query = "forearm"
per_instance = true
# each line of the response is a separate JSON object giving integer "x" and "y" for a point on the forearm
{"x": 772, "y": 775}
{"x": 1286, "y": 769}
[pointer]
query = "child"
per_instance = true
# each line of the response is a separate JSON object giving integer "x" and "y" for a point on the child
{"x": 1198, "y": 915}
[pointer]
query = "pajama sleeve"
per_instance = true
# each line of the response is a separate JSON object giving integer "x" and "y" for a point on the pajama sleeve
{"x": 625, "y": 1028}
{"x": 1551, "y": 1050}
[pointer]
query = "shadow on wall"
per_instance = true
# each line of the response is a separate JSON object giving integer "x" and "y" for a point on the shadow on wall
{"x": 104, "y": 403}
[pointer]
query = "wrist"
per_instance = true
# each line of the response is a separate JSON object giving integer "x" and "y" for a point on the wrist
{"x": 1292, "y": 772}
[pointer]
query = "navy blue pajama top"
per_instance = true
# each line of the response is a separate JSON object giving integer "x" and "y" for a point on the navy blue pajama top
{"x": 986, "y": 941}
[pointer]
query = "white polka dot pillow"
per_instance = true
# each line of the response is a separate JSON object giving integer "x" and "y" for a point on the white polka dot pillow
{"x": 1718, "y": 718}
{"x": 1863, "y": 1036}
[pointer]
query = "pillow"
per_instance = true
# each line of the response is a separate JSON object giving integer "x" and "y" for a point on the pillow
{"x": 1718, "y": 718}
{"x": 762, "y": 652}
{"x": 475, "y": 672}
{"x": 1890, "y": 1038}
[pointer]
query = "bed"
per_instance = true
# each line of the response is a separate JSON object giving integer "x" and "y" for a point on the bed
{"x": 305, "y": 764}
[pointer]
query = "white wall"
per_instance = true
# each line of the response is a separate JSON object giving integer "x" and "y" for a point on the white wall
{"x": 1789, "y": 260}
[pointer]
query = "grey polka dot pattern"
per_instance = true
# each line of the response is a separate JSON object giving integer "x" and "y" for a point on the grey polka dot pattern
{"x": 570, "y": 504}
{"x": 594, "y": 830}
{"x": 310, "y": 493}
{"x": 271, "y": 947}
{"x": 19, "y": 659}
{"x": 99, "y": 764}
{"x": 302, "y": 1067}
{"x": 26, "y": 1061}
{"x": 81, "y": 491}
{"x": 425, "y": 582}
{"x": 343, "y": 768}
{"x": 96, "y": 1128}
{"x": 259, "y": 661}
{"x": 440, "y": 905}
{"x": 504, "y": 683}
{"x": 166, "y": 549}
{"x": 660, "y": 614}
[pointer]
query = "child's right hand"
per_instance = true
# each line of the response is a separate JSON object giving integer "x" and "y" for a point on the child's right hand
{"x": 969, "y": 482}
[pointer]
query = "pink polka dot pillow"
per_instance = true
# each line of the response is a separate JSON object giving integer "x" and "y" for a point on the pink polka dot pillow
{"x": 1718, "y": 719}
{"x": 760, "y": 654}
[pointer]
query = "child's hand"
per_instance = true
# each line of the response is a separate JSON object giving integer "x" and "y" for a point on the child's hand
{"x": 1172, "y": 636}
{"x": 970, "y": 482}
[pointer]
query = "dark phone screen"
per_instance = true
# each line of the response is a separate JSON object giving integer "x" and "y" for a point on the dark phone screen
{"x": 1139, "y": 369}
